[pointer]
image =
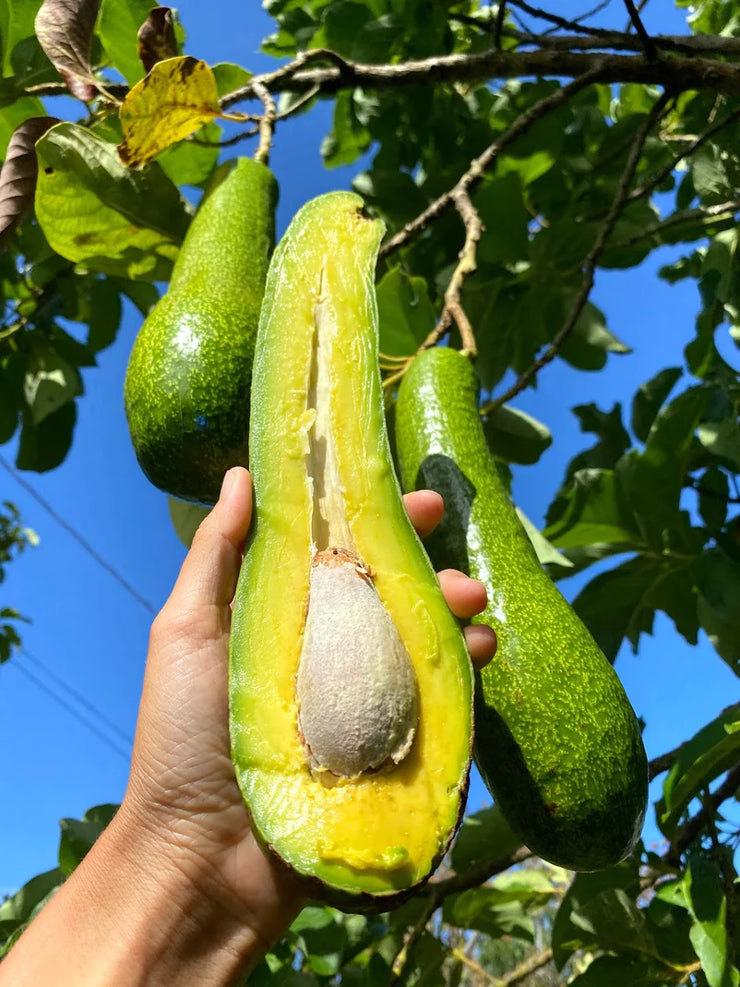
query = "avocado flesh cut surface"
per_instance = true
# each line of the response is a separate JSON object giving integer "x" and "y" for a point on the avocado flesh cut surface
{"x": 323, "y": 477}
{"x": 187, "y": 383}
{"x": 557, "y": 741}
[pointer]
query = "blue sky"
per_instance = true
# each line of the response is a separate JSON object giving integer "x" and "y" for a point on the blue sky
{"x": 93, "y": 634}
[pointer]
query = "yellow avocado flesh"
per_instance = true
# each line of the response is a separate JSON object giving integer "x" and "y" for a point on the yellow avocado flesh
{"x": 384, "y": 831}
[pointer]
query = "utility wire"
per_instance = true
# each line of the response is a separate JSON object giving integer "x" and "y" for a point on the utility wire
{"x": 40, "y": 684}
{"x": 77, "y": 696}
{"x": 142, "y": 601}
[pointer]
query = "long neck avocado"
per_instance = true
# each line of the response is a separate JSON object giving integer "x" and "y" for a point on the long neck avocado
{"x": 556, "y": 739}
{"x": 187, "y": 383}
{"x": 350, "y": 682}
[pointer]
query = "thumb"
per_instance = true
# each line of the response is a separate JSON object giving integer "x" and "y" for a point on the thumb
{"x": 210, "y": 570}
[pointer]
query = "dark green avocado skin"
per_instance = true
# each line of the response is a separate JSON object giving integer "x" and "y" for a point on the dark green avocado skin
{"x": 556, "y": 739}
{"x": 188, "y": 378}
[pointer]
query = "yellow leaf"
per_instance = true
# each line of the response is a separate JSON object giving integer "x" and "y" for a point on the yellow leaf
{"x": 177, "y": 97}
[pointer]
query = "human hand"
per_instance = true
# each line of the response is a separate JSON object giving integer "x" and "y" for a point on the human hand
{"x": 182, "y": 778}
{"x": 178, "y": 878}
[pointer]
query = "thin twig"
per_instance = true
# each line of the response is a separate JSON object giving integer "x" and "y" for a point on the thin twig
{"x": 643, "y": 190}
{"x": 479, "y": 970}
{"x": 589, "y": 265}
{"x": 500, "y": 18}
{"x": 694, "y": 826}
{"x": 525, "y": 968}
{"x": 266, "y": 124}
{"x": 645, "y": 40}
{"x": 708, "y": 215}
{"x": 405, "y": 955}
{"x": 663, "y": 762}
{"x": 452, "y": 310}
{"x": 562, "y": 22}
{"x": 478, "y": 166}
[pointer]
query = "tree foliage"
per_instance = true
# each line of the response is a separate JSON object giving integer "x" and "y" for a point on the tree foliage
{"x": 511, "y": 153}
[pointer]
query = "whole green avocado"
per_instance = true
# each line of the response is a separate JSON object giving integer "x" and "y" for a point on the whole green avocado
{"x": 556, "y": 739}
{"x": 187, "y": 384}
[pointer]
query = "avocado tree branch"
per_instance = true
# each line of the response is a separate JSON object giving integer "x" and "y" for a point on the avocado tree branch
{"x": 678, "y": 73}
{"x": 592, "y": 257}
{"x": 466, "y": 265}
{"x": 525, "y": 968}
{"x": 266, "y": 123}
{"x": 646, "y": 41}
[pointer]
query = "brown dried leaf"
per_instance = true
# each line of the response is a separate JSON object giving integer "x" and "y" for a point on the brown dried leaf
{"x": 18, "y": 174}
{"x": 157, "y": 37}
{"x": 177, "y": 97}
{"x": 65, "y": 30}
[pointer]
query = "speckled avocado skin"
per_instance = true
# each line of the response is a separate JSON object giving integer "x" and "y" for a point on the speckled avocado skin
{"x": 188, "y": 378}
{"x": 556, "y": 739}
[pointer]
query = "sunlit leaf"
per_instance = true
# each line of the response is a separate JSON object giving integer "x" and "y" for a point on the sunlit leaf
{"x": 169, "y": 104}
{"x": 405, "y": 313}
{"x": 118, "y": 24}
{"x": 710, "y": 752}
{"x": 95, "y": 211}
{"x": 703, "y": 887}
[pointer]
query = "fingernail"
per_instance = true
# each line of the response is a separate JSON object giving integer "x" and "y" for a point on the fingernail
{"x": 227, "y": 484}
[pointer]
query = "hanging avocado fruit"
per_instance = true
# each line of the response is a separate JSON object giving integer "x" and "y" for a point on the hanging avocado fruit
{"x": 187, "y": 384}
{"x": 557, "y": 741}
{"x": 350, "y": 682}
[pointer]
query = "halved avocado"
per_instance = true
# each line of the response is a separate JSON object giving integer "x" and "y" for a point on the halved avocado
{"x": 350, "y": 682}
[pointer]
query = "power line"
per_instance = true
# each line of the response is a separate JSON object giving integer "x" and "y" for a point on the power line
{"x": 77, "y": 696}
{"x": 78, "y": 538}
{"x": 40, "y": 684}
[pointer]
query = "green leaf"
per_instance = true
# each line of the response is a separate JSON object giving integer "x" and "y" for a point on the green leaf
{"x": 713, "y": 488}
{"x": 620, "y": 971}
{"x": 592, "y": 510}
{"x": 16, "y": 24}
{"x": 718, "y": 607}
{"x": 710, "y": 752}
{"x": 622, "y": 602}
{"x": 567, "y": 935}
{"x": 118, "y": 25}
{"x": 78, "y": 835}
{"x": 95, "y": 211}
{"x": 703, "y": 888}
{"x": 44, "y": 446}
{"x": 189, "y": 163}
{"x": 405, "y": 313}
{"x": 544, "y": 550}
{"x": 662, "y": 465}
{"x": 613, "y": 438}
{"x": 649, "y": 398}
{"x": 18, "y": 910}
{"x": 488, "y": 911}
{"x": 709, "y": 175}
{"x": 515, "y": 436}
{"x": 230, "y": 77}
{"x": 486, "y": 835}
{"x": 722, "y": 439}
{"x": 322, "y": 938}
{"x": 186, "y": 518}
{"x": 349, "y": 139}
{"x": 50, "y": 382}
{"x": 590, "y": 341}
{"x": 505, "y": 220}
{"x": 104, "y": 315}
{"x": 13, "y": 115}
